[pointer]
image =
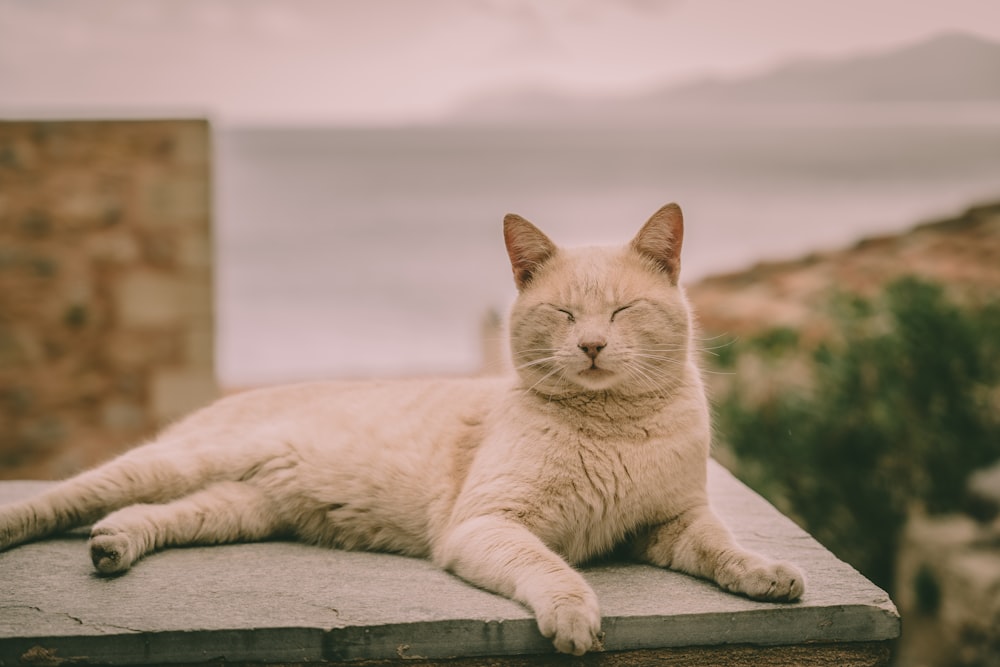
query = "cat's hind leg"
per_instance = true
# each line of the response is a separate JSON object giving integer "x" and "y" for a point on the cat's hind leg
{"x": 159, "y": 472}
{"x": 698, "y": 543}
{"x": 220, "y": 513}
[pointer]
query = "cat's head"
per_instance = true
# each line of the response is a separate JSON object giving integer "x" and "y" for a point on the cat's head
{"x": 599, "y": 319}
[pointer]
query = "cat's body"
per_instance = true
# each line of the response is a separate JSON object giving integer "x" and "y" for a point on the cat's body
{"x": 602, "y": 439}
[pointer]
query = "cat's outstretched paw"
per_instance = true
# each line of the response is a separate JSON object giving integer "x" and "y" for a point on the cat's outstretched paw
{"x": 573, "y": 625}
{"x": 111, "y": 550}
{"x": 771, "y": 582}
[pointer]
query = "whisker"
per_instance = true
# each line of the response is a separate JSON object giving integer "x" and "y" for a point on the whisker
{"x": 655, "y": 384}
{"x": 668, "y": 360}
{"x": 715, "y": 337}
{"x": 545, "y": 377}
{"x": 644, "y": 379}
{"x": 522, "y": 353}
{"x": 562, "y": 377}
{"x": 536, "y": 362}
{"x": 717, "y": 347}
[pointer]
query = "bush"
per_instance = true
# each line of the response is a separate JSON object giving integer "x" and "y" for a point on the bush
{"x": 903, "y": 407}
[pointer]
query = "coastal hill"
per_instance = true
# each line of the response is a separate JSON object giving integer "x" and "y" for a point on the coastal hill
{"x": 962, "y": 253}
{"x": 948, "y": 68}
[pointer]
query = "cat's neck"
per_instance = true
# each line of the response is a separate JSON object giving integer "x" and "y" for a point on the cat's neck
{"x": 603, "y": 405}
{"x": 598, "y": 414}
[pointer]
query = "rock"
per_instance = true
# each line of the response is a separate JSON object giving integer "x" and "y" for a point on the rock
{"x": 983, "y": 491}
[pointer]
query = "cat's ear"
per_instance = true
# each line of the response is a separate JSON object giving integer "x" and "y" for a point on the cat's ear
{"x": 527, "y": 247}
{"x": 660, "y": 239}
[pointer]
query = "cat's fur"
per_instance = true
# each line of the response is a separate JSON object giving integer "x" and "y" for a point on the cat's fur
{"x": 602, "y": 438}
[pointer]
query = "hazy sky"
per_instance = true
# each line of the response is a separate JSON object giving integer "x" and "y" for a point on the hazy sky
{"x": 403, "y": 60}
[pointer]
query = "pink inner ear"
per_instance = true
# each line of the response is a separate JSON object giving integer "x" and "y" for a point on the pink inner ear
{"x": 527, "y": 247}
{"x": 661, "y": 238}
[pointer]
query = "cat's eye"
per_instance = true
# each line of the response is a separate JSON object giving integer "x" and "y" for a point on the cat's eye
{"x": 618, "y": 310}
{"x": 569, "y": 315}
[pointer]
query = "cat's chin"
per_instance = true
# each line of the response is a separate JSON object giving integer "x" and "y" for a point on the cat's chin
{"x": 596, "y": 379}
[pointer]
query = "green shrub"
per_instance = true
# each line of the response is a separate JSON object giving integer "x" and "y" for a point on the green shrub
{"x": 777, "y": 341}
{"x": 903, "y": 407}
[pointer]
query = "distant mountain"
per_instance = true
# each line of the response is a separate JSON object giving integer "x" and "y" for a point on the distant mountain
{"x": 948, "y": 68}
{"x": 952, "y": 67}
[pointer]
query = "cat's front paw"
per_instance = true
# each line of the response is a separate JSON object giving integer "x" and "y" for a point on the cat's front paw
{"x": 573, "y": 624}
{"x": 771, "y": 582}
{"x": 111, "y": 550}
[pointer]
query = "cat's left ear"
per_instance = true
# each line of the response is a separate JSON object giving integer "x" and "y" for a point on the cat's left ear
{"x": 660, "y": 239}
{"x": 527, "y": 247}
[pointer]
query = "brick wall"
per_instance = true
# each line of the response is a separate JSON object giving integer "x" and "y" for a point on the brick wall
{"x": 106, "y": 329}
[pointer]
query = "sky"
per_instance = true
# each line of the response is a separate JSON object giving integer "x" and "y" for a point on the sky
{"x": 403, "y": 61}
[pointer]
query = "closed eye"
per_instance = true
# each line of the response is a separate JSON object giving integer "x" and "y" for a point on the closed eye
{"x": 569, "y": 315}
{"x": 615, "y": 313}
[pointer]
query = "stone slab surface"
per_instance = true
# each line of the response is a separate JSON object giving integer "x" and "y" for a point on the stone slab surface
{"x": 287, "y": 602}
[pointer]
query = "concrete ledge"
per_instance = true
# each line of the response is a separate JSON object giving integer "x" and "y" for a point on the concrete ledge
{"x": 290, "y": 603}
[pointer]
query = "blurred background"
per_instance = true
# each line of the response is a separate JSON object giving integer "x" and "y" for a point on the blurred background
{"x": 338, "y": 215}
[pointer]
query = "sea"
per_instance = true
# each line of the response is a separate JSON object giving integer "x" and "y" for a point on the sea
{"x": 346, "y": 252}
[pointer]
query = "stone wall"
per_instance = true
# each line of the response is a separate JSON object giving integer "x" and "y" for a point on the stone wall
{"x": 106, "y": 315}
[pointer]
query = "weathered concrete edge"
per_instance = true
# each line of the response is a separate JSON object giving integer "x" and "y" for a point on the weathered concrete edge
{"x": 850, "y": 654}
{"x": 765, "y": 627}
{"x": 450, "y": 639}
{"x": 264, "y": 645}
{"x": 468, "y": 638}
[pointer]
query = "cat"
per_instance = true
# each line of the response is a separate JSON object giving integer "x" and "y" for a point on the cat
{"x": 599, "y": 440}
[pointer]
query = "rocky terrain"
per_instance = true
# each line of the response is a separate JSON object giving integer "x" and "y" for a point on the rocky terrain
{"x": 962, "y": 253}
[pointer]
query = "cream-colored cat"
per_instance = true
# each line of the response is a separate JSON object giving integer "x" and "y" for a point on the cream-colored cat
{"x": 602, "y": 438}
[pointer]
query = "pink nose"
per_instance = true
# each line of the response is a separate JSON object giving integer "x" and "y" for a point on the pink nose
{"x": 593, "y": 348}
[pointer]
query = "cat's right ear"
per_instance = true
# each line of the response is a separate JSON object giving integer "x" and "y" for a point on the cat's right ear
{"x": 660, "y": 240}
{"x": 527, "y": 247}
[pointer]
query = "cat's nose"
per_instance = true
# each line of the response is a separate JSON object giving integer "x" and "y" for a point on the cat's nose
{"x": 593, "y": 348}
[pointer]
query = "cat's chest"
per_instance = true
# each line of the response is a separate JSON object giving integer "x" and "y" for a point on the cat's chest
{"x": 590, "y": 500}
{"x": 610, "y": 466}
{"x": 618, "y": 476}
{"x": 587, "y": 493}
{"x": 583, "y": 485}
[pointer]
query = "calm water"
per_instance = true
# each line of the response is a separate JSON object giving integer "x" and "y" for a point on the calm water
{"x": 345, "y": 252}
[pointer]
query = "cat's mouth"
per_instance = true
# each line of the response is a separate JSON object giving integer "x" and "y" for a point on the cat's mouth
{"x": 595, "y": 370}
